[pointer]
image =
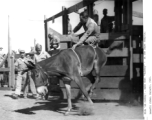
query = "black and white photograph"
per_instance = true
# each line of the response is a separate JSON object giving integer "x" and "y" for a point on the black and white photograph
{"x": 75, "y": 60}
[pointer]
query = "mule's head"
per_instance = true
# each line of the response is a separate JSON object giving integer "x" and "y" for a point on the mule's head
{"x": 41, "y": 80}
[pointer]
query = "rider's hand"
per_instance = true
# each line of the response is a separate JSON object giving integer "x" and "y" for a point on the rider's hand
{"x": 72, "y": 34}
{"x": 74, "y": 46}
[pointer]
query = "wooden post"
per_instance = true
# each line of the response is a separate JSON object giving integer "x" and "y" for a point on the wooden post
{"x": 124, "y": 12}
{"x": 64, "y": 21}
{"x": 118, "y": 15}
{"x": 129, "y": 22}
{"x": 10, "y": 58}
{"x": 12, "y": 72}
{"x": 90, "y": 10}
{"x": 46, "y": 35}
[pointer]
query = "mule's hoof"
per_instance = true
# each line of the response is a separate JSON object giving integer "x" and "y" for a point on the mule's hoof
{"x": 46, "y": 97}
{"x": 66, "y": 113}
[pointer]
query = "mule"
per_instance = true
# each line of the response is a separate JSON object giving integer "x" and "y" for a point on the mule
{"x": 69, "y": 65}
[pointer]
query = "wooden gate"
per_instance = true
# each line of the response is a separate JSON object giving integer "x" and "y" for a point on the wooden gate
{"x": 117, "y": 74}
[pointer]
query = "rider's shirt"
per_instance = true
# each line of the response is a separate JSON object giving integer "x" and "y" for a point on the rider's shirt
{"x": 91, "y": 29}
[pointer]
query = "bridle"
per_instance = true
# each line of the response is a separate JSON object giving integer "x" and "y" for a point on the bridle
{"x": 42, "y": 70}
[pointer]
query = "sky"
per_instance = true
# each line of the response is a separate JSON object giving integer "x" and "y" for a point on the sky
{"x": 26, "y": 20}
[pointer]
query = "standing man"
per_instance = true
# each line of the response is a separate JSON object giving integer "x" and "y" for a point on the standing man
{"x": 29, "y": 82}
{"x": 91, "y": 30}
{"x": 21, "y": 68}
{"x": 106, "y": 22}
{"x": 39, "y": 56}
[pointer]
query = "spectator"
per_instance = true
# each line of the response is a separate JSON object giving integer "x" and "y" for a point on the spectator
{"x": 39, "y": 56}
{"x": 21, "y": 67}
{"x": 54, "y": 42}
{"x": 106, "y": 22}
{"x": 29, "y": 83}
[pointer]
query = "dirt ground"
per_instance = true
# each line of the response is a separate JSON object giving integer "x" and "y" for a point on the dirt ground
{"x": 52, "y": 109}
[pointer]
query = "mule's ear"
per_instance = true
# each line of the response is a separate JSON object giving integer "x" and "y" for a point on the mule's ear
{"x": 30, "y": 64}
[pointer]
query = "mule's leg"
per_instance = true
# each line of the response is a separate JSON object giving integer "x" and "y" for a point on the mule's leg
{"x": 68, "y": 91}
{"x": 80, "y": 84}
{"x": 97, "y": 71}
{"x": 92, "y": 80}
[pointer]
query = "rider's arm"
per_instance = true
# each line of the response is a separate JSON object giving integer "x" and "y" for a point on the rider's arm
{"x": 87, "y": 33}
{"x": 77, "y": 27}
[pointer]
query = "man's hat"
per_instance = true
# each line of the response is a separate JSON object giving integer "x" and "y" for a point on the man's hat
{"x": 22, "y": 51}
{"x": 38, "y": 46}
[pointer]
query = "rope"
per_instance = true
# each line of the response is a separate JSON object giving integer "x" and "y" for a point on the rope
{"x": 80, "y": 71}
{"x": 94, "y": 50}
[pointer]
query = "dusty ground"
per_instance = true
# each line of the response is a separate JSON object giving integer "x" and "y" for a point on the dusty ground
{"x": 31, "y": 109}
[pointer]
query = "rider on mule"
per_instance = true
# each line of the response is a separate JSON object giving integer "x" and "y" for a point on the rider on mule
{"x": 91, "y": 30}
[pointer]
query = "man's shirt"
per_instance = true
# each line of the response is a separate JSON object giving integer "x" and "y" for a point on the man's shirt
{"x": 42, "y": 56}
{"x": 20, "y": 64}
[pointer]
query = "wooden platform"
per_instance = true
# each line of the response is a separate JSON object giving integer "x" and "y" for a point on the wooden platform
{"x": 4, "y": 69}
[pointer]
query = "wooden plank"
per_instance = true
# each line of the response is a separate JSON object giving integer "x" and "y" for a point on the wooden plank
{"x": 114, "y": 70}
{"x": 118, "y": 53}
{"x": 55, "y": 16}
{"x": 137, "y": 14}
{"x": 105, "y": 82}
{"x": 113, "y": 36}
{"x": 137, "y": 58}
{"x": 63, "y": 38}
{"x": 4, "y": 69}
{"x": 102, "y": 94}
{"x": 71, "y": 9}
{"x": 111, "y": 94}
{"x": 102, "y": 36}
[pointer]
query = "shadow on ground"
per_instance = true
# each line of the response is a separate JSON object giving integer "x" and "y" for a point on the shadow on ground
{"x": 53, "y": 105}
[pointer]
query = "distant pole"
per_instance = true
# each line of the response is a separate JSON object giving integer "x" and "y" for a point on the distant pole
{"x": 34, "y": 44}
{"x": 10, "y": 58}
